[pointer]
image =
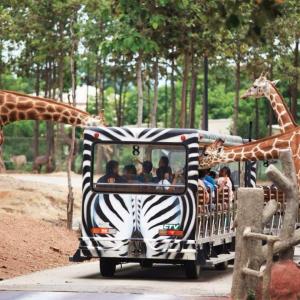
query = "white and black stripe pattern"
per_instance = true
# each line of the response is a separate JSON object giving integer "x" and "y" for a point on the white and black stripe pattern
{"x": 250, "y": 174}
{"x": 144, "y": 214}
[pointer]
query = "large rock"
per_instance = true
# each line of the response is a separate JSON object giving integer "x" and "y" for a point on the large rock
{"x": 285, "y": 281}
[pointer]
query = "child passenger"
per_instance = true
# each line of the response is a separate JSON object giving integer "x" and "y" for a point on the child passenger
{"x": 164, "y": 178}
{"x": 225, "y": 180}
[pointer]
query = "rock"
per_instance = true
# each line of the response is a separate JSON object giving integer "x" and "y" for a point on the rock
{"x": 55, "y": 249}
{"x": 285, "y": 281}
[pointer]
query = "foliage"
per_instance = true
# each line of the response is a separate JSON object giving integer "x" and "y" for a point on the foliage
{"x": 35, "y": 48}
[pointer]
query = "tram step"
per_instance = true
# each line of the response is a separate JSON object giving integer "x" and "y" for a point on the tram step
{"x": 220, "y": 258}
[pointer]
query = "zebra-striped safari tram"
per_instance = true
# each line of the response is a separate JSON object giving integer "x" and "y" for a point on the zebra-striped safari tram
{"x": 142, "y": 201}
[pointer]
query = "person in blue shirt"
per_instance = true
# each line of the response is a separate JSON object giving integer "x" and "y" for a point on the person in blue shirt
{"x": 203, "y": 176}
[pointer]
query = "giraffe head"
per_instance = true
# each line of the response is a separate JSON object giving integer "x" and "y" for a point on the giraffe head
{"x": 210, "y": 153}
{"x": 260, "y": 87}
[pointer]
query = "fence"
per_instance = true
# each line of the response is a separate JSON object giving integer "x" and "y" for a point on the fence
{"x": 24, "y": 146}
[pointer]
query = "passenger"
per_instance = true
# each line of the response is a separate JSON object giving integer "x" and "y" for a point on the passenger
{"x": 207, "y": 184}
{"x": 210, "y": 180}
{"x": 164, "y": 162}
{"x": 146, "y": 175}
{"x": 130, "y": 173}
{"x": 225, "y": 180}
{"x": 213, "y": 175}
{"x": 203, "y": 186}
{"x": 164, "y": 178}
{"x": 112, "y": 173}
{"x": 181, "y": 176}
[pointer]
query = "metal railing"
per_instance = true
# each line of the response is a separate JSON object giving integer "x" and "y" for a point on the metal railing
{"x": 216, "y": 213}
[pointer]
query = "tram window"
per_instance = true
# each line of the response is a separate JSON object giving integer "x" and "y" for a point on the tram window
{"x": 139, "y": 168}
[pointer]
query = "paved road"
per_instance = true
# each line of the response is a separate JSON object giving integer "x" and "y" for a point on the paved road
{"x": 160, "y": 282}
{"x": 60, "y": 179}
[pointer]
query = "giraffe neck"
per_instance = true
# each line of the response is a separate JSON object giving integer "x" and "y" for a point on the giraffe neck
{"x": 15, "y": 106}
{"x": 283, "y": 114}
{"x": 267, "y": 148}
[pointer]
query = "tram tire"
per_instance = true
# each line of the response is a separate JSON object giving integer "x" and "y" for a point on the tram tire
{"x": 192, "y": 269}
{"x": 107, "y": 267}
{"x": 222, "y": 266}
{"x": 146, "y": 264}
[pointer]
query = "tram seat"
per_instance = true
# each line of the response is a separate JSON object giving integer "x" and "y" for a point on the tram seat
{"x": 273, "y": 193}
{"x": 222, "y": 199}
{"x": 201, "y": 200}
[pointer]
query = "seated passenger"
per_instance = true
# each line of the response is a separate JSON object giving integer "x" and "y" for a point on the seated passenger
{"x": 225, "y": 180}
{"x": 208, "y": 185}
{"x": 213, "y": 175}
{"x": 112, "y": 173}
{"x": 205, "y": 192}
{"x": 146, "y": 175}
{"x": 130, "y": 173}
{"x": 164, "y": 178}
{"x": 164, "y": 162}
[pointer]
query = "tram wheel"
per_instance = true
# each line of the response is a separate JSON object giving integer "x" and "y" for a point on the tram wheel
{"x": 107, "y": 267}
{"x": 192, "y": 269}
{"x": 222, "y": 266}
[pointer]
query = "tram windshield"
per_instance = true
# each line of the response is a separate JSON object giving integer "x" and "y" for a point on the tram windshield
{"x": 139, "y": 168}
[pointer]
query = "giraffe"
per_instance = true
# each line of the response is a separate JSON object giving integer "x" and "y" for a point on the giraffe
{"x": 262, "y": 149}
{"x": 212, "y": 151}
{"x": 264, "y": 87}
{"x": 267, "y": 148}
{"x": 16, "y": 106}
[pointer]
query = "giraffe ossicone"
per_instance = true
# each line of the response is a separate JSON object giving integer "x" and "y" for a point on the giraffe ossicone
{"x": 262, "y": 87}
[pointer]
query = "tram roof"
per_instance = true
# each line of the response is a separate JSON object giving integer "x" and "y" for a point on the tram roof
{"x": 207, "y": 136}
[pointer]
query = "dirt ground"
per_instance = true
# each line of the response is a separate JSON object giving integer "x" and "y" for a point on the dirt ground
{"x": 36, "y": 199}
{"x": 32, "y": 226}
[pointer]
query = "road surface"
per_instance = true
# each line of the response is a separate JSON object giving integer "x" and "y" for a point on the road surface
{"x": 130, "y": 282}
{"x": 57, "y": 179}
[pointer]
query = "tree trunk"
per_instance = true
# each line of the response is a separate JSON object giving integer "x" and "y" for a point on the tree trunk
{"x": 49, "y": 124}
{"x": 2, "y": 165}
{"x": 36, "y": 129}
{"x": 120, "y": 102}
{"x": 123, "y": 103}
{"x": 270, "y": 109}
{"x": 173, "y": 95}
{"x": 193, "y": 94}
{"x": 237, "y": 96}
{"x": 148, "y": 87}
{"x": 294, "y": 93}
{"x": 182, "y": 120}
{"x": 155, "y": 95}
{"x": 70, "y": 203}
{"x": 256, "y": 119}
{"x": 247, "y": 251}
{"x": 166, "y": 102}
{"x": 140, "y": 90}
{"x": 60, "y": 127}
{"x": 204, "y": 124}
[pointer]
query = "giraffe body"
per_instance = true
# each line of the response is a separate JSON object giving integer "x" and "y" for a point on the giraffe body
{"x": 15, "y": 106}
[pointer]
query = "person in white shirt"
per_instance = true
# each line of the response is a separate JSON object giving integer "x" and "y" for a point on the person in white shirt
{"x": 164, "y": 178}
{"x": 225, "y": 180}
